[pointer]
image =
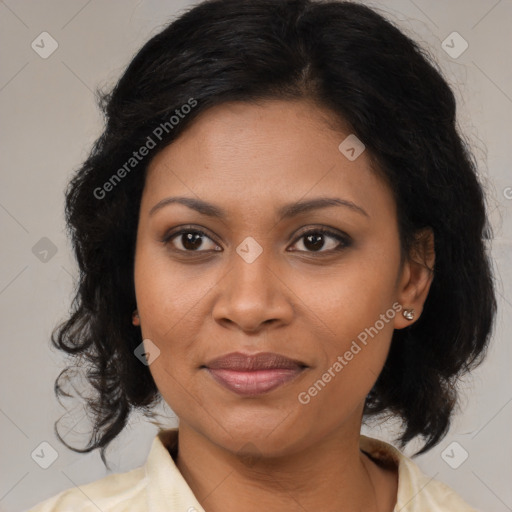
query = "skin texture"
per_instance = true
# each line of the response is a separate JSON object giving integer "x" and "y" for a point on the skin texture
{"x": 271, "y": 452}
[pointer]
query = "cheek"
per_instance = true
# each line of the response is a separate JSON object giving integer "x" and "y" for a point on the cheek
{"x": 354, "y": 308}
{"x": 165, "y": 313}
{"x": 353, "y": 361}
{"x": 178, "y": 392}
{"x": 352, "y": 296}
{"x": 169, "y": 295}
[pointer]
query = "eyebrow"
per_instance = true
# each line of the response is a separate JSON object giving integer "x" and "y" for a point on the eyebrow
{"x": 285, "y": 212}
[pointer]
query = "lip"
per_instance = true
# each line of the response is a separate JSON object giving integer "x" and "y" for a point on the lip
{"x": 254, "y": 374}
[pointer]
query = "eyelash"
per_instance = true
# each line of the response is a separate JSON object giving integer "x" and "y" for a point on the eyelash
{"x": 344, "y": 240}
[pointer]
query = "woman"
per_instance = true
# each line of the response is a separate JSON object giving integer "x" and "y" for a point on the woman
{"x": 280, "y": 233}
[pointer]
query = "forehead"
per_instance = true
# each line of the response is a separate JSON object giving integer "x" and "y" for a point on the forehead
{"x": 244, "y": 154}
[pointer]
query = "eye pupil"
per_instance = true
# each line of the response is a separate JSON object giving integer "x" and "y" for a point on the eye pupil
{"x": 315, "y": 244}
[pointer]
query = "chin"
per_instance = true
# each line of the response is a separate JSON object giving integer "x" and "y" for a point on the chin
{"x": 253, "y": 438}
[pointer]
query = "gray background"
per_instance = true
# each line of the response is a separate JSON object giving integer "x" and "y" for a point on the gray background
{"x": 49, "y": 121}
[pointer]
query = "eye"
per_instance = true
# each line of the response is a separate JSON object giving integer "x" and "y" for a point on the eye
{"x": 191, "y": 240}
{"x": 315, "y": 240}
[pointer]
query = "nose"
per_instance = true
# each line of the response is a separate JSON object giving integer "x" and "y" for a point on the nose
{"x": 252, "y": 295}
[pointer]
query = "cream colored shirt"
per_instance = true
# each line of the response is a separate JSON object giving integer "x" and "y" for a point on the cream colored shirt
{"x": 158, "y": 486}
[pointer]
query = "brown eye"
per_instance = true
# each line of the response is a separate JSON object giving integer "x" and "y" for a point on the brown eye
{"x": 191, "y": 240}
{"x": 317, "y": 239}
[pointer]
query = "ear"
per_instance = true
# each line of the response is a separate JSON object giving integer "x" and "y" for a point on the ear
{"x": 416, "y": 277}
{"x": 135, "y": 318}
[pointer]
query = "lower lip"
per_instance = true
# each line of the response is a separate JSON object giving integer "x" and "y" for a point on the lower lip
{"x": 253, "y": 382}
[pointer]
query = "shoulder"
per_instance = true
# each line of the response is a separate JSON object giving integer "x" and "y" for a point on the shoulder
{"x": 417, "y": 492}
{"x": 421, "y": 492}
{"x": 157, "y": 486}
{"x": 119, "y": 492}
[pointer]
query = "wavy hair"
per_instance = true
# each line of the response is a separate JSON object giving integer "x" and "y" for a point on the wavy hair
{"x": 369, "y": 74}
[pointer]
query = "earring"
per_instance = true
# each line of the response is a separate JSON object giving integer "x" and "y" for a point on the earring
{"x": 408, "y": 313}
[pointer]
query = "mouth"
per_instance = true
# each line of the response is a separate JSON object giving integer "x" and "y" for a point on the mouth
{"x": 256, "y": 374}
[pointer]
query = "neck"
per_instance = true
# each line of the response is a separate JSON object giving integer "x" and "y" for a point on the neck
{"x": 331, "y": 475}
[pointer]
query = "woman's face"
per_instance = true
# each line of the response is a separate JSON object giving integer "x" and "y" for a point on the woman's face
{"x": 259, "y": 281}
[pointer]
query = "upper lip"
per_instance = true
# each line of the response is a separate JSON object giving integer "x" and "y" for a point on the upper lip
{"x": 262, "y": 361}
